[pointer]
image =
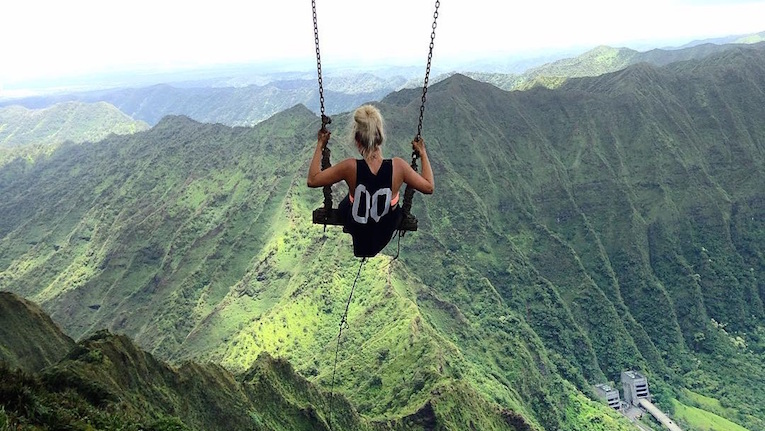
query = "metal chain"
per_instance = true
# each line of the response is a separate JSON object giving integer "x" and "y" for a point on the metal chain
{"x": 325, "y": 151}
{"x": 409, "y": 192}
{"x": 427, "y": 69}
{"x": 318, "y": 58}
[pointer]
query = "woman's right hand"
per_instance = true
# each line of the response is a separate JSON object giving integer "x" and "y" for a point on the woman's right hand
{"x": 418, "y": 145}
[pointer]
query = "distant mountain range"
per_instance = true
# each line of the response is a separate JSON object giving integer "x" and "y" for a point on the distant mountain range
{"x": 745, "y": 38}
{"x": 612, "y": 223}
{"x": 244, "y": 97}
{"x": 595, "y": 62}
{"x": 233, "y": 106}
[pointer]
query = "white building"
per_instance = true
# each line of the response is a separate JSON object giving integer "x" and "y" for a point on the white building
{"x": 635, "y": 387}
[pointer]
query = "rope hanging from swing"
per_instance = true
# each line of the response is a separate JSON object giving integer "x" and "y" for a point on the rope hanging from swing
{"x": 327, "y": 215}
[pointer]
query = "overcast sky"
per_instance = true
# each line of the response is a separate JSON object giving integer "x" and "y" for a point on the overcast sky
{"x": 46, "y": 38}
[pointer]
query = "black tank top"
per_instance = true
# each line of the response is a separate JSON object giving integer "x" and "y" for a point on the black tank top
{"x": 371, "y": 220}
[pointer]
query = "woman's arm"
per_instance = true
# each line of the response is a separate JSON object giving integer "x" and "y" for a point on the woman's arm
{"x": 331, "y": 175}
{"x": 422, "y": 183}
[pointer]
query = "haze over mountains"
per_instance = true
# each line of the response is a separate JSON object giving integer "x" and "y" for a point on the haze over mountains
{"x": 614, "y": 222}
{"x": 234, "y": 106}
{"x": 243, "y": 96}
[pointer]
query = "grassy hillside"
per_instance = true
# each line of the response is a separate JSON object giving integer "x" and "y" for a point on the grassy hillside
{"x": 612, "y": 223}
{"x": 71, "y": 121}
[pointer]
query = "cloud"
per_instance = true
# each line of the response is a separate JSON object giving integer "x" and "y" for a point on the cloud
{"x": 717, "y": 2}
{"x": 80, "y": 36}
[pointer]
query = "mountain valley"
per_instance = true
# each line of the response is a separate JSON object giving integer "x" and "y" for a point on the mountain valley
{"x": 614, "y": 222}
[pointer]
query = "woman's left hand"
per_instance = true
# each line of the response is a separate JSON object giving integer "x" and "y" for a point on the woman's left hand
{"x": 323, "y": 136}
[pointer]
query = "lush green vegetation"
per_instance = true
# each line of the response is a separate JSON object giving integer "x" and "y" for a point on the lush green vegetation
{"x": 698, "y": 419}
{"x": 93, "y": 389}
{"x": 612, "y": 223}
{"x": 105, "y": 382}
{"x": 72, "y": 121}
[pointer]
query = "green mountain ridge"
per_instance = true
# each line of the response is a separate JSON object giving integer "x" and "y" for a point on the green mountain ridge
{"x": 613, "y": 223}
{"x": 70, "y": 121}
{"x": 601, "y": 60}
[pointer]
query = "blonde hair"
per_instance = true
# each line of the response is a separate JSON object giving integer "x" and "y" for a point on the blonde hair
{"x": 368, "y": 129}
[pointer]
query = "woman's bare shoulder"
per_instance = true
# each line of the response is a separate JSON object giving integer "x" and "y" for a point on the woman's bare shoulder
{"x": 399, "y": 162}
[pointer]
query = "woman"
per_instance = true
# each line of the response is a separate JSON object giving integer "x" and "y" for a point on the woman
{"x": 371, "y": 207}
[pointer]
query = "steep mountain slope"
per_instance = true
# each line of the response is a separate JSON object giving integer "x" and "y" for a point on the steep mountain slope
{"x": 71, "y": 121}
{"x": 638, "y": 195}
{"x": 613, "y": 223}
